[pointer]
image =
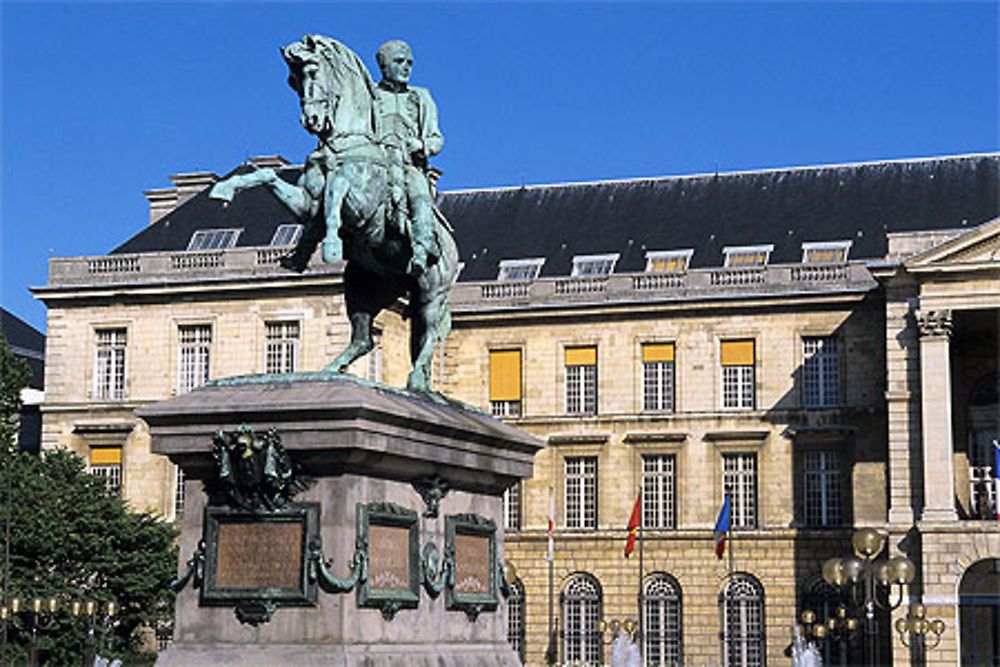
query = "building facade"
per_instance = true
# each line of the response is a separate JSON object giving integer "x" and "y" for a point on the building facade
{"x": 818, "y": 343}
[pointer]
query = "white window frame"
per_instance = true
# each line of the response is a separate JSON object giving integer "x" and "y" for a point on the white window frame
{"x": 581, "y": 389}
{"x": 586, "y": 266}
{"x": 733, "y": 252}
{"x": 111, "y": 473}
{"x": 516, "y": 618}
{"x": 739, "y": 480}
{"x": 281, "y": 346}
{"x": 214, "y": 239}
{"x": 683, "y": 258}
{"x": 822, "y": 505}
{"x": 662, "y": 614}
{"x": 520, "y": 269}
{"x": 739, "y": 387}
{"x": 820, "y": 246}
{"x": 658, "y": 386}
{"x": 512, "y": 507}
{"x": 820, "y": 371}
{"x": 179, "y": 494}
{"x": 659, "y": 491}
{"x": 580, "y": 492}
{"x": 286, "y": 235}
{"x": 111, "y": 344}
{"x": 743, "y": 622}
{"x": 580, "y": 605}
{"x": 194, "y": 356}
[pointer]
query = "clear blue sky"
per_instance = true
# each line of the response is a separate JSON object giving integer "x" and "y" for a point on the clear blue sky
{"x": 102, "y": 101}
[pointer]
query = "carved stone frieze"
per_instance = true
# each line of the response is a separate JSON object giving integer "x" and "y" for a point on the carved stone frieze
{"x": 934, "y": 322}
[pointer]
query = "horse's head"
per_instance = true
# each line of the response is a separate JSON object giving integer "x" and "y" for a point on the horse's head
{"x": 309, "y": 76}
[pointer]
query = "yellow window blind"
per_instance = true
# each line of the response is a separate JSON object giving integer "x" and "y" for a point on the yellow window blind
{"x": 105, "y": 456}
{"x": 581, "y": 356}
{"x": 505, "y": 375}
{"x": 653, "y": 352}
{"x": 737, "y": 353}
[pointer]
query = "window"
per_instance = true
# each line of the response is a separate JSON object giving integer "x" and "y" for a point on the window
{"x": 821, "y": 481}
{"x": 505, "y": 383}
{"x": 826, "y": 252}
{"x": 581, "y": 492}
{"x": 979, "y": 613}
{"x": 512, "y": 507}
{"x": 594, "y": 265}
{"x": 106, "y": 463}
{"x": 668, "y": 261}
{"x": 658, "y": 377}
{"x": 742, "y": 606}
{"x": 109, "y": 365}
{"x": 820, "y": 372}
{"x": 658, "y": 489}
{"x": 520, "y": 269}
{"x": 373, "y": 370}
{"x": 749, "y": 256}
{"x": 662, "y": 621}
{"x": 738, "y": 359}
{"x": 213, "y": 239}
{"x": 515, "y": 618}
{"x": 581, "y": 610}
{"x": 193, "y": 358}
{"x": 281, "y": 350}
{"x": 739, "y": 479}
{"x": 581, "y": 380}
{"x": 178, "y": 493}
{"x": 286, "y": 235}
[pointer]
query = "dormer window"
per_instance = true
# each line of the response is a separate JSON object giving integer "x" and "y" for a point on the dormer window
{"x": 214, "y": 239}
{"x": 286, "y": 235}
{"x": 826, "y": 252}
{"x": 594, "y": 265}
{"x": 668, "y": 261}
{"x": 520, "y": 269}
{"x": 747, "y": 256}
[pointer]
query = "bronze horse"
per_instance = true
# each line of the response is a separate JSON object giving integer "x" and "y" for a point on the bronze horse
{"x": 343, "y": 197}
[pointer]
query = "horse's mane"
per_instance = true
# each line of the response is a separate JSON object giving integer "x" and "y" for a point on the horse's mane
{"x": 344, "y": 63}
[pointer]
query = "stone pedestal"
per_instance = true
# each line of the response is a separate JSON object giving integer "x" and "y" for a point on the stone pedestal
{"x": 363, "y": 444}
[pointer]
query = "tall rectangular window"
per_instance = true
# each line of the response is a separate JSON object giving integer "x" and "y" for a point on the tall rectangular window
{"x": 738, "y": 361}
{"x": 581, "y": 492}
{"x": 505, "y": 383}
{"x": 178, "y": 493}
{"x": 658, "y": 490}
{"x": 281, "y": 351}
{"x": 820, "y": 372}
{"x": 821, "y": 486}
{"x": 739, "y": 479}
{"x": 658, "y": 377}
{"x": 581, "y": 380}
{"x": 109, "y": 365}
{"x": 106, "y": 463}
{"x": 512, "y": 507}
{"x": 193, "y": 357}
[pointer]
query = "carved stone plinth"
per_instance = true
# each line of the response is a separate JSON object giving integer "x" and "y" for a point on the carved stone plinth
{"x": 379, "y": 458}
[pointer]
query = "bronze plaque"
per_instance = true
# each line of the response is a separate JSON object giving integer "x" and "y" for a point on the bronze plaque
{"x": 389, "y": 557}
{"x": 259, "y": 555}
{"x": 472, "y": 564}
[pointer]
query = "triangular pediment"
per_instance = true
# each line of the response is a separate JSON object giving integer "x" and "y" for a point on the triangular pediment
{"x": 976, "y": 248}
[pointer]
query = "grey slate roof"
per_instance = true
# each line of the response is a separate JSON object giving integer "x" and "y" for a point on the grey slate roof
{"x": 860, "y": 202}
{"x": 26, "y": 342}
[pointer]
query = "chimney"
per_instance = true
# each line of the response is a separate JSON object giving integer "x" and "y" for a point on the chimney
{"x": 161, "y": 202}
{"x": 272, "y": 161}
{"x": 188, "y": 185}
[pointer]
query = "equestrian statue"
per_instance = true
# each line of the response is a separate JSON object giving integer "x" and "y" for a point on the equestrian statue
{"x": 364, "y": 193}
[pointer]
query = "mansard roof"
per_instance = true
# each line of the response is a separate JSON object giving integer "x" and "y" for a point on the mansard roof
{"x": 26, "y": 342}
{"x": 860, "y": 202}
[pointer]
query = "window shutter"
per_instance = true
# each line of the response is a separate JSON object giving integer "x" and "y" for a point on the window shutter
{"x": 505, "y": 375}
{"x": 581, "y": 356}
{"x": 737, "y": 353}
{"x": 653, "y": 352}
{"x": 105, "y": 456}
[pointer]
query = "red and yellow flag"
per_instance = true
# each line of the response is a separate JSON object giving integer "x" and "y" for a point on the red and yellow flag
{"x": 633, "y": 525}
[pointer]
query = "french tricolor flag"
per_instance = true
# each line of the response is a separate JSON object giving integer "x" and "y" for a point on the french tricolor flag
{"x": 722, "y": 529}
{"x": 996, "y": 478}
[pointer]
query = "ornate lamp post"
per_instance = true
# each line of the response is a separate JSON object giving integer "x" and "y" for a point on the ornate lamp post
{"x": 913, "y": 630}
{"x": 615, "y": 628}
{"x": 864, "y": 579}
{"x": 841, "y": 628}
{"x": 96, "y": 620}
{"x": 40, "y": 616}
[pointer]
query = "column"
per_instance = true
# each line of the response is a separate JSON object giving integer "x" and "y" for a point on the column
{"x": 936, "y": 426}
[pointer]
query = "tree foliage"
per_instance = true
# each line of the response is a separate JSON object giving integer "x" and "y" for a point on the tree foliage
{"x": 73, "y": 539}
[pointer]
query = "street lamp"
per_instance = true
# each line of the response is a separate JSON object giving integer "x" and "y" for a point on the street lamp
{"x": 916, "y": 627}
{"x": 840, "y": 628}
{"x": 863, "y": 577}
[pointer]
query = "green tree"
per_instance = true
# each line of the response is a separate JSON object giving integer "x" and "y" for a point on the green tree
{"x": 73, "y": 539}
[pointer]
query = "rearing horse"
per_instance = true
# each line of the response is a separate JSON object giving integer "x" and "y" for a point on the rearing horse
{"x": 343, "y": 198}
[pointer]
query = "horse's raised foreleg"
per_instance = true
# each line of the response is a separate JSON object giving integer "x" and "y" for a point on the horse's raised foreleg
{"x": 333, "y": 201}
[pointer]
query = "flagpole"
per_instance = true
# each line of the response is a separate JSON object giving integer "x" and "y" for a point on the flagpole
{"x": 732, "y": 542}
{"x": 550, "y": 650}
{"x": 641, "y": 642}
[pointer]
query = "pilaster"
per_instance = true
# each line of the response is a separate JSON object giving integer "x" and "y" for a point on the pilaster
{"x": 936, "y": 427}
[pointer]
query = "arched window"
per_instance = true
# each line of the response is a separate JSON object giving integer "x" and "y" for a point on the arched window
{"x": 662, "y": 621}
{"x": 741, "y": 604}
{"x": 515, "y": 618}
{"x": 580, "y": 601}
{"x": 979, "y": 613}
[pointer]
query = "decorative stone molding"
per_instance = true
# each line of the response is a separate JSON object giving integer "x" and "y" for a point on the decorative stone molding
{"x": 934, "y": 322}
